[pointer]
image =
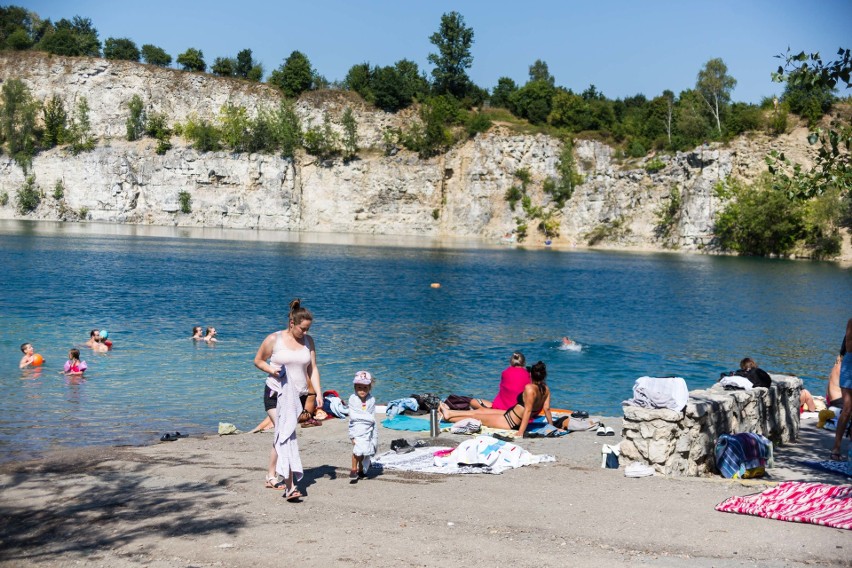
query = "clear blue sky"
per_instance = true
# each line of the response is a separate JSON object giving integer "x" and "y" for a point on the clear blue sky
{"x": 623, "y": 47}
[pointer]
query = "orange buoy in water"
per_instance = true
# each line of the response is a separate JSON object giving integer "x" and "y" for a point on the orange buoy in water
{"x": 436, "y": 285}
{"x": 38, "y": 360}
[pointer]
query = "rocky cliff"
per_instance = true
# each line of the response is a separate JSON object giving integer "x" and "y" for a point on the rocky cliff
{"x": 461, "y": 193}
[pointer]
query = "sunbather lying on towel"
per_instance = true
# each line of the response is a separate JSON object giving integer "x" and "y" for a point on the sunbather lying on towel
{"x": 534, "y": 400}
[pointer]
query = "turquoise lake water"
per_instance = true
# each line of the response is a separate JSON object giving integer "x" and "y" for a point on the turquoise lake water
{"x": 635, "y": 314}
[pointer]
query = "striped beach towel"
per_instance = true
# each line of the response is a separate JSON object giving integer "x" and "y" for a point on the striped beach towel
{"x": 815, "y": 503}
{"x": 743, "y": 455}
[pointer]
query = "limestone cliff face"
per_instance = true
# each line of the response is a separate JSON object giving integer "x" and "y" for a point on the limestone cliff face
{"x": 461, "y": 193}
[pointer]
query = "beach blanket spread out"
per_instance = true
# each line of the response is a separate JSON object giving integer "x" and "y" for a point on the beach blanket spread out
{"x": 815, "y": 503}
{"x": 482, "y": 454}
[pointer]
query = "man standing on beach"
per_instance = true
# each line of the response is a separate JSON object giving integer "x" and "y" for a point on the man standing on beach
{"x": 845, "y": 391}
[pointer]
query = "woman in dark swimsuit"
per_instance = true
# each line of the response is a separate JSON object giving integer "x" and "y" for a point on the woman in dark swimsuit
{"x": 534, "y": 400}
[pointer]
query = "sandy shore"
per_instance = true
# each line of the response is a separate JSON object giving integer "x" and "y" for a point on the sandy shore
{"x": 200, "y": 501}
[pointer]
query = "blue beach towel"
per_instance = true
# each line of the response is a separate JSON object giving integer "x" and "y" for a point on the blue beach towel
{"x": 838, "y": 467}
{"x": 411, "y": 423}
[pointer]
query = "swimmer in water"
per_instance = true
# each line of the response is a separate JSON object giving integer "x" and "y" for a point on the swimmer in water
{"x": 196, "y": 333}
{"x": 74, "y": 366}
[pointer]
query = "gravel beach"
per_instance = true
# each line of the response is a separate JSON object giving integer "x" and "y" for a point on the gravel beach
{"x": 200, "y": 501}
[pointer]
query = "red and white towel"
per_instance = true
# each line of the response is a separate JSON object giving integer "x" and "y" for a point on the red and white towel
{"x": 816, "y": 503}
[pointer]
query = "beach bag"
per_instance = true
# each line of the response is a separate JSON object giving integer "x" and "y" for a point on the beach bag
{"x": 743, "y": 456}
{"x": 456, "y": 402}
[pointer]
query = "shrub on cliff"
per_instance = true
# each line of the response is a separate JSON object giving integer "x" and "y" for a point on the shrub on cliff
{"x": 18, "y": 127}
{"x": 29, "y": 196}
{"x": 758, "y": 220}
{"x": 153, "y": 55}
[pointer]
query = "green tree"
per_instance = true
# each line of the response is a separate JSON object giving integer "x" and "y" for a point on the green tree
{"x": 715, "y": 86}
{"x": 810, "y": 101}
{"x": 501, "y": 94}
{"x": 71, "y": 37}
{"x": 540, "y": 72}
{"x": 359, "y": 79}
{"x": 350, "y": 134}
{"x": 833, "y": 163}
{"x": 691, "y": 122}
{"x": 287, "y": 129}
{"x": 29, "y": 196}
{"x": 192, "y": 60}
{"x": 135, "y": 123}
{"x": 321, "y": 141}
{"x": 55, "y": 122}
{"x": 533, "y": 101}
{"x": 121, "y": 48}
{"x": 223, "y": 67}
{"x": 18, "y": 115}
{"x": 759, "y": 221}
{"x": 246, "y": 67}
{"x": 453, "y": 41}
{"x": 235, "y": 127}
{"x": 153, "y": 55}
{"x": 79, "y": 131}
{"x": 295, "y": 76}
{"x": 16, "y": 28}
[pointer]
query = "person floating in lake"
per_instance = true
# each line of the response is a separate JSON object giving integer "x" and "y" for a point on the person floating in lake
{"x": 210, "y": 335}
{"x": 845, "y": 391}
{"x": 29, "y": 356}
{"x": 197, "y": 334}
{"x": 74, "y": 366}
{"x": 362, "y": 425}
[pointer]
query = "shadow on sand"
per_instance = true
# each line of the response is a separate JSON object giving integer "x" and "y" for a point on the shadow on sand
{"x": 71, "y": 504}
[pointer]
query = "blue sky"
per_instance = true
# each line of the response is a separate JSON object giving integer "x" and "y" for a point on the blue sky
{"x": 623, "y": 47}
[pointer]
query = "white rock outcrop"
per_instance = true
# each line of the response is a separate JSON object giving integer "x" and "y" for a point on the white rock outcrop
{"x": 461, "y": 193}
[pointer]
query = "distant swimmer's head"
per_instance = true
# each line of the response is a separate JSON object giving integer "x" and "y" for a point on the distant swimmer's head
{"x": 517, "y": 359}
{"x": 95, "y": 334}
{"x": 26, "y": 347}
{"x": 196, "y": 331}
{"x": 747, "y": 364}
{"x": 73, "y": 353}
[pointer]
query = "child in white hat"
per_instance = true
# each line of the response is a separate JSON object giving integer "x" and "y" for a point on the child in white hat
{"x": 362, "y": 425}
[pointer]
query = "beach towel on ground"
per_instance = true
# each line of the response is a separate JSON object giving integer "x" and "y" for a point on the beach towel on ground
{"x": 815, "y": 503}
{"x": 411, "y": 423}
{"x": 838, "y": 467}
{"x": 494, "y": 454}
{"x": 744, "y": 455}
{"x": 659, "y": 392}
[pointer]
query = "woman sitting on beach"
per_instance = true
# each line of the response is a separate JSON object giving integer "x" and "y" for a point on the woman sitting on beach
{"x": 534, "y": 400}
{"x": 512, "y": 382}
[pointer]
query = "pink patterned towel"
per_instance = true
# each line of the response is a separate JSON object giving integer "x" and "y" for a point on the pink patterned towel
{"x": 816, "y": 503}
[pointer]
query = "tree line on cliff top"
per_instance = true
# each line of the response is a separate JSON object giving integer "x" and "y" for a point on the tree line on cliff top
{"x": 451, "y": 107}
{"x": 636, "y": 125}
